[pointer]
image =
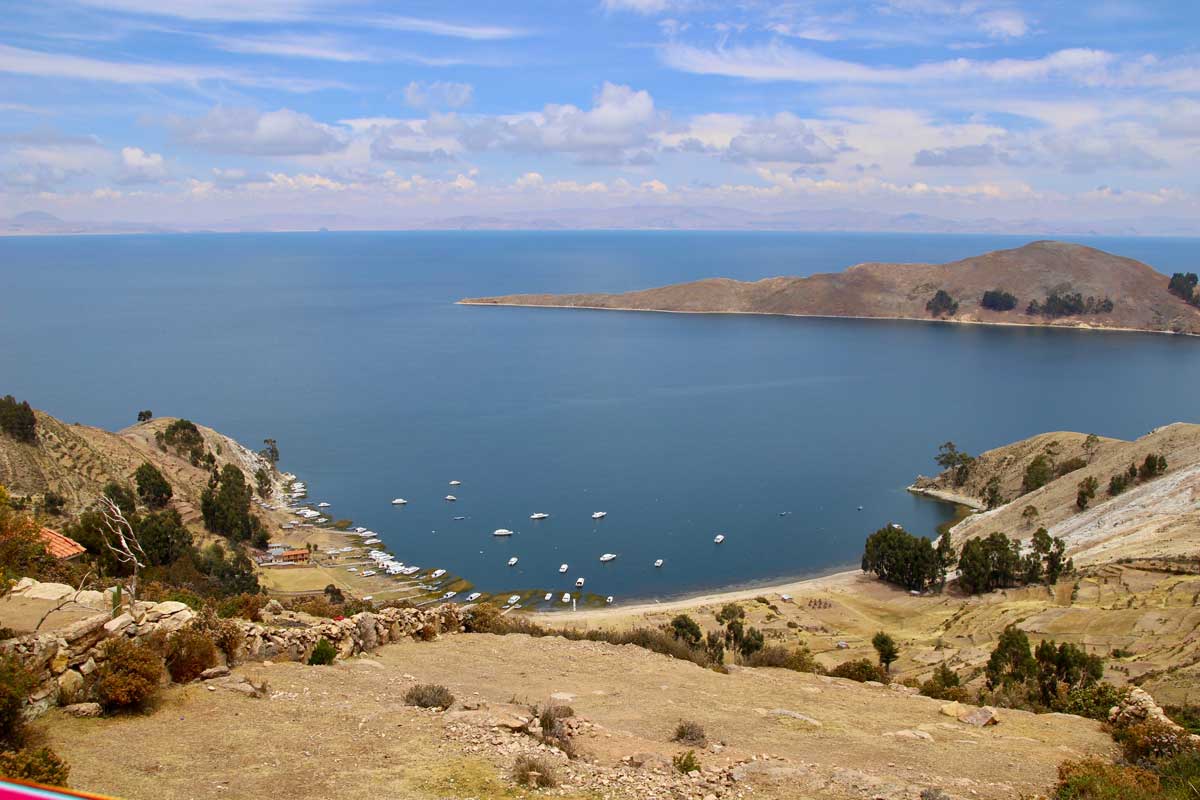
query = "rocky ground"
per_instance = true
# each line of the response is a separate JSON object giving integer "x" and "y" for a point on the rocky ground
{"x": 344, "y": 731}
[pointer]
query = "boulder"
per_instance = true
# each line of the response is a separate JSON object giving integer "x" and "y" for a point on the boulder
{"x": 655, "y": 762}
{"x": 784, "y": 712}
{"x": 273, "y": 607}
{"x": 48, "y": 591}
{"x": 118, "y": 624}
{"x": 214, "y": 672}
{"x": 70, "y": 686}
{"x": 979, "y": 717}
{"x": 913, "y": 735}
{"x": 165, "y": 609}
{"x": 953, "y": 709}
{"x": 22, "y": 586}
{"x": 93, "y": 599}
{"x": 60, "y": 661}
{"x": 510, "y": 716}
{"x": 83, "y": 709}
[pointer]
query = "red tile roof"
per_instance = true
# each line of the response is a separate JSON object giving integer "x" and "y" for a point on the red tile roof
{"x": 61, "y": 546}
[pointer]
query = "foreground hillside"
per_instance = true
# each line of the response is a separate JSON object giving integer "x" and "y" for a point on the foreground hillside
{"x": 1140, "y": 300}
{"x": 822, "y": 737}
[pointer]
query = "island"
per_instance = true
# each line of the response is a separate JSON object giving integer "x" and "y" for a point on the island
{"x": 1043, "y": 283}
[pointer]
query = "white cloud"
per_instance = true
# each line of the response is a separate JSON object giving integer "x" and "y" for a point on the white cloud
{"x": 783, "y": 137}
{"x": 214, "y": 10}
{"x": 320, "y": 47}
{"x": 438, "y": 93}
{"x": 19, "y": 61}
{"x": 251, "y": 132}
{"x": 1004, "y": 24}
{"x": 448, "y": 29}
{"x": 138, "y": 166}
{"x": 645, "y": 6}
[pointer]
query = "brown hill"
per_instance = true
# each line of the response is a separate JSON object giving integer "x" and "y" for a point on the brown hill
{"x": 900, "y": 291}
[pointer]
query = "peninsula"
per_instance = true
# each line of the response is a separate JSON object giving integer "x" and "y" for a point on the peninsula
{"x": 1043, "y": 283}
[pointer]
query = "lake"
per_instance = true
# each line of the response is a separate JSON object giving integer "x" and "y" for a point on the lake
{"x": 348, "y": 349}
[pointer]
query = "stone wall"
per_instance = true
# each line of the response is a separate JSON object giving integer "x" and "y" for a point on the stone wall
{"x": 63, "y": 659}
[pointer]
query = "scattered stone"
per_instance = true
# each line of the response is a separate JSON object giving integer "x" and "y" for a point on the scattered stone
{"x": 70, "y": 686}
{"x": 953, "y": 709}
{"x": 83, "y": 709}
{"x": 979, "y": 717}
{"x": 908, "y": 733}
{"x": 118, "y": 624}
{"x": 214, "y": 672}
{"x": 783, "y": 712}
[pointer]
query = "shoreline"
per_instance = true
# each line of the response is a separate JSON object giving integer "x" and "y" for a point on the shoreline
{"x": 947, "y": 497}
{"x": 1044, "y": 326}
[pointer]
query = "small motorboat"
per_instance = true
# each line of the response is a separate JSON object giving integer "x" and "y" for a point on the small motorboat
{"x": 437, "y": 573}
{"x": 456, "y": 519}
{"x": 549, "y": 596}
{"x": 366, "y": 573}
{"x": 456, "y": 483}
{"x": 579, "y": 583}
{"x": 512, "y": 562}
{"x": 448, "y": 595}
{"x": 368, "y": 597}
{"x": 720, "y": 537}
{"x": 566, "y": 598}
{"x": 473, "y": 596}
{"x": 539, "y": 515}
{"x": 658, "y": 562}
{"x": 450, "y": 498}
{"x": 787, "y": 598}
{"x": 608, "y": 600}
{"x": 322, "y": 505}
{"x": 351, "y": 569}
{"x": 562, "y": 567}
{"x": 399, "y": 501}
{"x": 513, "y": 599}
{"x": 502, "y": 532}
{"x": 599, "y": 514}
{"x": 860, "y": 508}
{"x": 608, "y": 557}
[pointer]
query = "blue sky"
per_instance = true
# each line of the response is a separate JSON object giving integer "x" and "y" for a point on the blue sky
{"x": 202, "y": 110}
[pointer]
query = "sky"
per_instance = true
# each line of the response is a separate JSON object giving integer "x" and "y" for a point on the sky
{"x": 205, "y": 110}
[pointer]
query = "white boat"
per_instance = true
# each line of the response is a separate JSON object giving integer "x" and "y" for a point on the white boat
{"x": 322, "y": 505}
{"x": 399, "y": 501}
{"x": 608, "y": 600}
{"x": 437, "y": 573}
{"x": 720, "y": 537}
{"x": 658, "y": 562}
{"x": 608, "y": 556}
{"x": 370, "y": 541}
{"x": 539, "y": 515}
{"x": 515, "y": 598}
{"x": 502, "y": 532}
{"x": 448, "y": 595}
{"x": 562, "y": 567}
{"x": 566, "y": 598}
{"x": 451, "y": 498}
{"x": 456, "y": 483}
{"x": 512, "y": 562}
{"x": 787, "y": 598}
{"x": 579, "y": 583}
{"x": 360, "y": 529}
{"x": 411, "y": 570}
{"x": 599, "y": 514}
{"x": 473, "y": 596}
{"x": 366, "y": 573}
{"x": 549, "y": 596}
{"x": 351, "y": 569}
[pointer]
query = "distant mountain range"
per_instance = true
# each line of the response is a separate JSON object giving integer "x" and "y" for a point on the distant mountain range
{"x": 651, "y": 217}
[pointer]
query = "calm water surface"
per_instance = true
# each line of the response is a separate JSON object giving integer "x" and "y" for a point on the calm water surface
{"x": 348, "y": 349}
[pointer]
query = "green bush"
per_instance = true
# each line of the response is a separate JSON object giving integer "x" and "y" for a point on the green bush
{"x": 944, "y": 685}
{"x": 686, "y": 629}
{"x": 429, "y": 695}
{"x": 860, "y": 670}
{"x": 798, "y": 659}
{"x": 1186, "y": 716}
{"x": 152, "y": 486}
{"x": 1094, "y": 701}
{"x": 189, "y": 653}
{"x": 1146, "y": 743}
{"x": 128, "y": 675}
{"x": 323, "y": 654}
{"x": 686, "y": 762}
{"x": 244, "y": 606}
{"x": 36, "y": 765}
{"x": 16, "y": 682}
{"x": 534, "y": 772}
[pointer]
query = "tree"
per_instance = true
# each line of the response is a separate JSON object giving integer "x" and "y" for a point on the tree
{"x": 334, "y": 595}
{"x": 897, "y": 556}
{"x": 186, "y": 439}
{"x": 226, "y": 506}
{"x": 1029, "y": 514}
{"x": 262, "y": 483}
{"x": 18, "y": 420}
{"x": 1037, "y": 473}
{"x": 163, "y": 537}
{"x": 998, "y": 300}
{"x": 751, "y": 642}
{"x": 988, "y": 564}
{"x": 152, "y": 486}
{"x": 1086, "y": 490}
{"x": 942, "y": 304}
{"x": 122, "y": 497}
{"x": 270, "y": 452}
{"x": 686, "y": 629}
{"x": 1183, "y": 286}
{"x": 949, "y": 457}
{"x": 946, "y": 557}
{"x": 729, "y": 612}
{"x": 122, "y": 542}
{"x": 1117, "y": 484}
{"x": 991, "y": 493}
{"x": 1065, "y": 664}
{"x": 886, "y": 647}
{"x": 145, "y": 416}
{"x": 1154, "y": 465}
{"x": 1011, "y": 661}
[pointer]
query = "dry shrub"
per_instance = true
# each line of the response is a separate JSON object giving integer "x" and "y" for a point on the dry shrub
{"x": 315, "y": 607}
{"x": 860, "y": 670}
{"x": 534, "y": 772}
{"x": 128, "y": 676}
{"x": 224, "y": 633}
{"x": 1093, "y": 779}
{"x": 189, "y": 653}
{"x": 245, "y": 606}
{"x": 1152, "y": 741}
{"x": 691, "y": 733}
{"x": 16, "y": 682}
{"x": 429, "y": 695}
{"x": 799, "y": 659}
{"x": 551, "y": 714}
{"x": 485, "y": 618}
{"x": 36, "y": 765}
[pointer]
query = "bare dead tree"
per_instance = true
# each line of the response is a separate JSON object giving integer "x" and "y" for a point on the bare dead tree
{"x": 121, "y": 540}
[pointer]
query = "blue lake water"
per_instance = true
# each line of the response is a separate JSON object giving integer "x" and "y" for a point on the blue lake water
{"x": 347, "y": 348}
